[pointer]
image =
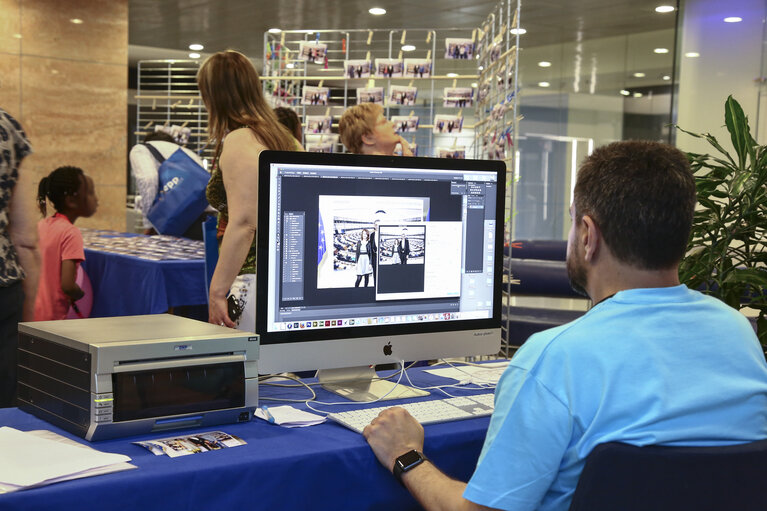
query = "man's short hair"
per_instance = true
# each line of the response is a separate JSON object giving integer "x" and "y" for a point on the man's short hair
{"x": 642, "y": 197}
{"x": 356, "y": 122}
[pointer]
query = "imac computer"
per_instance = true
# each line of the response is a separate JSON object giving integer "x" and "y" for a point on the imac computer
{"x": 366, "y": 260}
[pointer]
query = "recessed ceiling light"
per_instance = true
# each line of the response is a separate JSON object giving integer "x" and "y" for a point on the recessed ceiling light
{"x": 666, "y": 77}
{"x": 17, "y": 36}
{"x": 290, "y": 65}
{"x": 624, "y": 92}
{"x": 544, "y": 84}
{"x": 274, "y": 30}
{"x": 660, "y": 50}
{"x": 692, "y": 54}
{"x": 474, "y": 85}
{"x": 733, "y": 19}
{"x": 518, "y": 31}
{"x": 452, "y": 75}
{"x": 196, "y": 47}
{"x": 76, "y": 21}
{"x": 194, "y": 55}
{"x": 481, "y": 68}
{"x": 637, "y": 94}
{"x": 377, "y": 11}
{"x": 544, "y": 63}
{"x": 408, "y": 47}
{"x": 665, "y": 8}
{"x": 639, "y": 75}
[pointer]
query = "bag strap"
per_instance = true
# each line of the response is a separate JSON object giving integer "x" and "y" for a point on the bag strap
{"x": 157, "y": 155}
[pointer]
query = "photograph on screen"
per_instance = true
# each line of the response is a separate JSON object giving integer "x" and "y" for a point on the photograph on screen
{"x": 457, "y": 96}
{"x": 447, "y": 124}
{"x": 370, "y": 95}
{"x": 358, "y": 68}
{"x": 458, "y": 48}
{"x": 313, "y": 52}
{"x": 318, "y": 124}
{"x": 388, "y": 68}
{"x": 400, "y": 95}
{"x": 419, "y": 260}
{"x": 315, "y": 96}
{"x": 349, "y": 224}
{"x": 405, "y": 123}
{"x": 418, "y": 68}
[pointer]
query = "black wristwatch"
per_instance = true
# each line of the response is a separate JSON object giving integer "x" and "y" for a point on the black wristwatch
{"x": 407, "y": 461}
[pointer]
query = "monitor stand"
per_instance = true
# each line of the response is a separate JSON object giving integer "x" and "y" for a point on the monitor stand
{"x": 362, "y": 384}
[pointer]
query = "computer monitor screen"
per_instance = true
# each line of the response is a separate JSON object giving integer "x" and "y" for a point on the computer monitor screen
{"x": 366, "y": 260}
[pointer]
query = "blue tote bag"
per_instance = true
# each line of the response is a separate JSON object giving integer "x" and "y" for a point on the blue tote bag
{"x": 181, "y": 196}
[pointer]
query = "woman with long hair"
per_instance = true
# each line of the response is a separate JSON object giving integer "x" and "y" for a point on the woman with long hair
{"x": 241, "y": 125}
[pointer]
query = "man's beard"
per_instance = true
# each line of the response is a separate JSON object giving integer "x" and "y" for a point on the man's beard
{"x": 576, "y": 272}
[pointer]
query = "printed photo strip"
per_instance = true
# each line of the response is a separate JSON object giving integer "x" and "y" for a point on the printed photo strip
{"x": 370, "y": 95}
{"x": 312, "y": 52}
{"x": 400, "y": 95}
{"x": 357, "y": 68}
{"x": 388, "y": 68}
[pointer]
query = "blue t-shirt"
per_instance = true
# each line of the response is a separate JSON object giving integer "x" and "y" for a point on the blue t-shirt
{"x": 647, "y": 366}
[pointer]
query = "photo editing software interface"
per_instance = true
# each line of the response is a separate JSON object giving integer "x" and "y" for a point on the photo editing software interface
{"x": 357, "y": 246}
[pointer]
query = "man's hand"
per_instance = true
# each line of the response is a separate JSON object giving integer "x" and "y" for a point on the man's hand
{"x": 393, "y": 433}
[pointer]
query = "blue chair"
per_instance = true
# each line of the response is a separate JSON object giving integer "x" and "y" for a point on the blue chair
{"x": 209, "y": 227}
{"x": 624, "y": 477}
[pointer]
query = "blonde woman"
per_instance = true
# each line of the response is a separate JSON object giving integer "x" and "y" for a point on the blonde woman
{"x": 241, "y": 125}
{"x": 364, "y": 130}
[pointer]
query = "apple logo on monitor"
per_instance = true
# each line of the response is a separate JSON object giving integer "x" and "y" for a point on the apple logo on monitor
{"x": 387, "y": 349}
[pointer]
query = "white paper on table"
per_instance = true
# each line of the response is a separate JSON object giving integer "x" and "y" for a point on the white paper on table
{"x": 488, "y": 373}
{"x": 27, "y": 459}
{"x": 289, "y": 417}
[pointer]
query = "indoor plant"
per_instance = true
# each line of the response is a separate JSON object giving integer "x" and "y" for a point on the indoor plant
{"x": 727, "y": 252}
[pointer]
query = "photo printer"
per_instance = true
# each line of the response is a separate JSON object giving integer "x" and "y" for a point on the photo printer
{"x": 103, "y": 378}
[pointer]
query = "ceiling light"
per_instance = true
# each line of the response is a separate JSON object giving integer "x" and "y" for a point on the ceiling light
{"x": 408, "y": 47}
{"x": 76, "y": 21}
{"x": 733, "y": 19}
{"x": 692, "y": 54}
{"x": 544, "y": 84}
{"x": 665, "y": 8}
{"x": 518, "y": 31}
{"x": 17, "y": 36}
{"x": 194, "y": 55}
{"x": 544, "y": 63}
{"x": 274, "y": 30}
{"x": 639, "y": 75}
{"x": 474, "y": 85}
{"x": 377, "y": 11}
{"x": 196, "y": 47}
{"x": 624, "y": 92}
{"x": 660, "y": 50}
{"x": 637, "y": 94}
{"x": 666, "y": 77}
{"x": 481, "y": 68}
{"x": 290, "y": 65}
{"x": 452, "y": 75}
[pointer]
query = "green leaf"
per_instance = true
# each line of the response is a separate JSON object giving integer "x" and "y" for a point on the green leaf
{"x": 737, "y": 125}
{"x": 747, "y": 276}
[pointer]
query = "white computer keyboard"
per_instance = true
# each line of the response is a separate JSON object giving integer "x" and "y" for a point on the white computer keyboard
{"x": 425, "y": 412}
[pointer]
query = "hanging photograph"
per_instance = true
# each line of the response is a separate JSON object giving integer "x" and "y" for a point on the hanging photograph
{"x": 413, "y": 149}
{"x": 418, "y": 68}
{"x": 357, "y": 68}
{"x": 319, "y": 147}
{"x": 312, "y": 51}
{"x": 401, "y": 95}
{"x": 315, "y": 96}
{"x": 321, "y": 143}
{"x": 388, "y": 68}
{"x": 370, "y": 95}
{"x": 458, "y": 48}
{"x": 447, "y": 123}
{"x": 404, "y": 123}
{"x": 457, "y": 97}
{"x": 453, "y": 153}
{"x": 318, "y": 124}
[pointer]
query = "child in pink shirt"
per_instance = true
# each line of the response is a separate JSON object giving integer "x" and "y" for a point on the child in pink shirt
{"x": 73, "y": 195}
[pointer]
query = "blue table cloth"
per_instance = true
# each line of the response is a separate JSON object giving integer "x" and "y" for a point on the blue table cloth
{"x": 124, "y": 285}
{"x": 319, "y": 467}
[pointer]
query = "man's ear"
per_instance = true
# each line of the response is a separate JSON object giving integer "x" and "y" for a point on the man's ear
{"x": 591, "y": 238}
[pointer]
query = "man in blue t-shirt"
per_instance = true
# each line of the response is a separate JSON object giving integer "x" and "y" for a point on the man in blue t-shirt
{"x": 651, "y": 363}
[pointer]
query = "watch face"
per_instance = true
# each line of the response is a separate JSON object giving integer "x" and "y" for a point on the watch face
{"x": 409, "y": 459}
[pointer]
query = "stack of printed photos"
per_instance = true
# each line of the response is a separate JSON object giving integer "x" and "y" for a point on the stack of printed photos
{"x": 191, "y": 444}
{"x": 152, "y": 248}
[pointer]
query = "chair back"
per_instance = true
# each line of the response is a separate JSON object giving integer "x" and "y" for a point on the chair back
{"x": 625, "y": 477}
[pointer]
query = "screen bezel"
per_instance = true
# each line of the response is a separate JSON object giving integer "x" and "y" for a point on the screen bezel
{"x": 267, "y": 158}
